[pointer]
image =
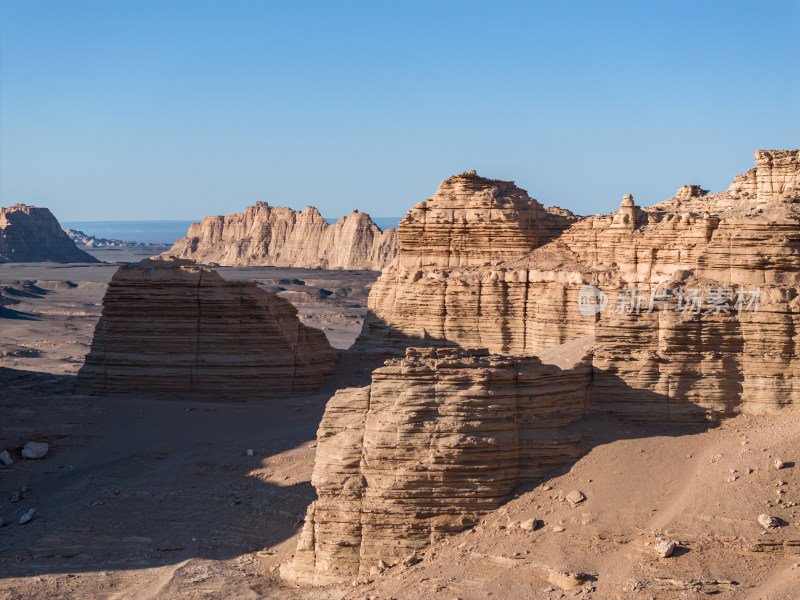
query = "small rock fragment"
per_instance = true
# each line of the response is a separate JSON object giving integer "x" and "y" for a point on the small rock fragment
{"x": 575, "y": 497}
{"x": 767, "y": 522}
{"x": 15, "y": 497}
{"x": 6, "y": 459}
{"x": 779, "y": 464}
{"x": 27, "y": 517}
{"x": 35, "y": 450}
{"x": 558, "y": 529}
{"x": 529, "y": 525}
{"x": 665, "y": 548}
{"x": 250, "y": 452}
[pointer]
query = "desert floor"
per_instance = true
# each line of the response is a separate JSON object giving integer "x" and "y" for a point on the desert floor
{"x": 157, "y": 497}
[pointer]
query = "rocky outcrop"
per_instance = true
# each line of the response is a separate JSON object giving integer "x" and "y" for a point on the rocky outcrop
{"x": 172, "y": 327}
{"x": 276, "y": 236}
{"x": 33, "y": 234}
{"x": 89, "y": 241}
{"x": 651, "y": 363}
{"x": 448, "y": 285}
{"x": 438, "y": 439}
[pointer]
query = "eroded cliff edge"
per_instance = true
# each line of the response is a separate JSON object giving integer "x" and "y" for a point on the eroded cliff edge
{"x": 276, "y": 236}
{"x": 510, "y": 281}
{"x": 687, "y": 310}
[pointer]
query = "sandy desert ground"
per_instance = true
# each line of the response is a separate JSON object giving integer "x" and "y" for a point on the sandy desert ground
{"x": 155, "y": 497}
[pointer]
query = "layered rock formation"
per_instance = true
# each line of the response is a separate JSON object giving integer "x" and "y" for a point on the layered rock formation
{"x": 743, "y": 241}
{"x": 276, "y": 236}
{"x": 171, "y": 327}
{"x": 689, "y": 309}
{"x": 32, "y": 234}
{"x": 437, "y": 440}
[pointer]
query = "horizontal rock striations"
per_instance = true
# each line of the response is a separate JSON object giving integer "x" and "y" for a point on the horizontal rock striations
{"x": 447, "y": 285}
{"x": 651, "y": 361}
{"x": 277, "y": 236}
{"x": 687, "y": 310}
{"x": 33, "y": 234}
{"x": 171, "y": 326}
{"x": 438, "y": 439}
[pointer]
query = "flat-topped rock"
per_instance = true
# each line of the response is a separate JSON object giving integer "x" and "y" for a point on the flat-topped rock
{"x": 169, "y": 326}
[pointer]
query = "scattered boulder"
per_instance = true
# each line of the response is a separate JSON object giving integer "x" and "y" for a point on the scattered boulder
{"x": 768, "y": 522}
{"x": 566, "y": 580}
{"x": 779, "y": 464}
{"x": 665, "y": 548}
{"x": 575, "y": 497}
{"x": 6, "y": 459}
{"x": 529, "y": 525}
{"x": 27, "y": 517}
{"x": 559, "y": 529}
{"x": 35, "y": 450}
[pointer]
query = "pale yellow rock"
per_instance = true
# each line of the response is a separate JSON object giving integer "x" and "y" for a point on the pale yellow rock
{"x": 277, "y": 236}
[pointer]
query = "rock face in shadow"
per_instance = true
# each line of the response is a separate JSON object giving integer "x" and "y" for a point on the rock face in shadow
{"x": 277, "y": 236}
{"x": 724, "y": 355}
{"x": 440, "y": 438}
{"x": 171, "y": 326}
{"x": 33, "y": 234}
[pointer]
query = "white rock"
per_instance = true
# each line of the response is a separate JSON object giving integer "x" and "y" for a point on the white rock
{"x": 6, "y": 459}
{"x": 665, "y": 548}
{"x": 529, "y": 525}
{"x": 767, "y": 522}
{"x": 575, "y": 497}
{"x": 779, "y": 464}
{"x": 26, "y": 518}
{"x": 35, "y": 450}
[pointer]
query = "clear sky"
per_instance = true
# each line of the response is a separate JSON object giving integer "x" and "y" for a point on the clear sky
{"x": 172, "y": 109}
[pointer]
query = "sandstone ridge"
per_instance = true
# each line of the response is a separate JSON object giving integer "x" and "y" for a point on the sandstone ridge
{"x": 266, "y": 235}
{"x": 169, "y": 326}
{"x": 33, "y": 234}
{"x": 735, "y": 253}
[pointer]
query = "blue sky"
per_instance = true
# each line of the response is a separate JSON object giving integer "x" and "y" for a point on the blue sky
{"x": 171, "y": 109}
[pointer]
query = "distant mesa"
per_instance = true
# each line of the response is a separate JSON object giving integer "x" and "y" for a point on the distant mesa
{"x": 33, "y": 234}
{"x": 281, "y": 237}
{"x": 170, "y": 326}
{"x": 89, "y": 241}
